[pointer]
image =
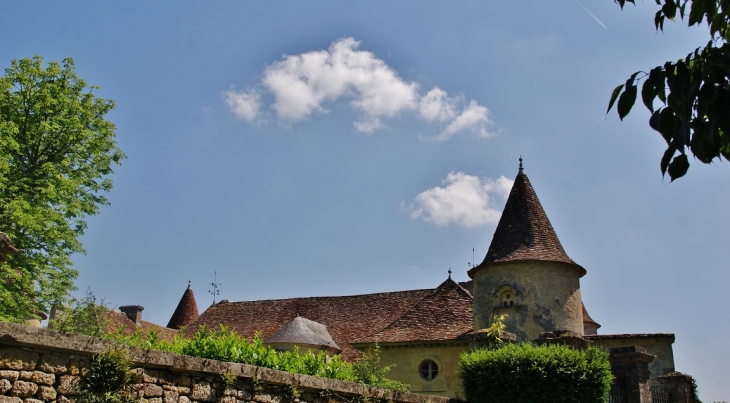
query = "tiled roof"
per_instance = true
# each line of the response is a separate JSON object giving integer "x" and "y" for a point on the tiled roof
{"x": 186, "y": 311}
{"x": 119, "y": 320}
{"x": 301, "y": 331}
{"x": 445, "y": 314}
{"x": 347, "y": 318}
{"x": 524, "y": 232}
{"x": 587, "y": 318}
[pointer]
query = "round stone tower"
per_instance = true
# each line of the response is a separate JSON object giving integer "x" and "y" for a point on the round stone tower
{"x": 526, "y": 274}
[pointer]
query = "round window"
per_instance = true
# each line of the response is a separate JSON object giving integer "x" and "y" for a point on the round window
{"x": 428, "y": 370}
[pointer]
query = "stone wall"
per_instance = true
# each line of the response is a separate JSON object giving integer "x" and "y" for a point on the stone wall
{"x": 657, "y": 344}
{"x": 41, "y": 365}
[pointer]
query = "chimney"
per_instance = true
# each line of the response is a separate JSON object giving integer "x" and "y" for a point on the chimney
{"x": 133, "y": 312}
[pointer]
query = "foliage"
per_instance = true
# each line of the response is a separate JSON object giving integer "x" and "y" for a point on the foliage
{"x": 109, "y": 379}
{"x": 84, "y": 316}
{"x": 226, "y": 345}
{"x": 695, "y": 393}
{"x": 694, "y": 92}
{"x": 56, "y": 153}
{"x": 524, "y": 373}
{"x": 369, "y": 371}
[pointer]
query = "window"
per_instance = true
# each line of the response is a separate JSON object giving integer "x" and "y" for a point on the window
{"x": 428, "y": 370}
{"x": 507, "y": 296}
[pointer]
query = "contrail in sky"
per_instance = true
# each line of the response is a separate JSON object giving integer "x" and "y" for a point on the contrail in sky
{"x": 591, "y": 14}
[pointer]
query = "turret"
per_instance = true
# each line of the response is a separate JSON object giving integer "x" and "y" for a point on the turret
{"x": 186, "y": 311}
{"x": 526, "y": 274}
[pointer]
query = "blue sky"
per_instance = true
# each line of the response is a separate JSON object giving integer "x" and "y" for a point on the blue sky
{"x": 331, "y": 148}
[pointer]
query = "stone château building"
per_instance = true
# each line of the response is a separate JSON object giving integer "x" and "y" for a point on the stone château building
{"x": 526, "y": 275}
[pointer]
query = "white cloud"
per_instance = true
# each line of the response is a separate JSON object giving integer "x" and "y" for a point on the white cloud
{"x": 464, "y": 200}
{"x": 302, "y": 85}
{"x": 243, "y": 104}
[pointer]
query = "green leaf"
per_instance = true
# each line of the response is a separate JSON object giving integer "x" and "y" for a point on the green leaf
{"x": 668, "y": 154}
{"x": 696, "y": 12}
{"x": 678, "y": 167}
{"x": 648, "y": 92}
{"x": 614, "y": 95}
{"x": 626, "y": 101}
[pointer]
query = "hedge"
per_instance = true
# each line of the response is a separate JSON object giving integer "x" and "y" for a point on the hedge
{"x": 524, "y": 373}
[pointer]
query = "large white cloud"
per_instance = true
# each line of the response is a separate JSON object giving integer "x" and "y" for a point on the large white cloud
{"x": 464, "y": 200}
{"x": 302, "y": 85}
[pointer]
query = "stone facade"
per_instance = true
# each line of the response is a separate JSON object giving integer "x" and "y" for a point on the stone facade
{"x": 40, "y": 365}
{"x": 537, "y": 297}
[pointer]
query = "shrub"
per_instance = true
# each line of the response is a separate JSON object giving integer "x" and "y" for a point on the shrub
{"x": 524, "y": 373}
{"x": 226, "y": 345}
{"x": 109, "y": 379}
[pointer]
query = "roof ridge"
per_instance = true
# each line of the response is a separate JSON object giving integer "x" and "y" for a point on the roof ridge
{"x": 331, "y": 296}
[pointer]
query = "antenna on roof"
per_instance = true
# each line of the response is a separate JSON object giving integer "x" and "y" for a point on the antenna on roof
{"x": 470, "y": 264}
{"x": 215, "y": 291}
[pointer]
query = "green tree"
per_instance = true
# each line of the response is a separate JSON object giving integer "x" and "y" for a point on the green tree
{"x": 694, "y": 92}
{"x": 56, "y": 154}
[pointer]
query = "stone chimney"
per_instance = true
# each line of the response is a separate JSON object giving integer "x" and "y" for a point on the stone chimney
{"x": 133, "y": 312}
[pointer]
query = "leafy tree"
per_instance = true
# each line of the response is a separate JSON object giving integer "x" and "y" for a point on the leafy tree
{"x": 84, "y": 316}
{"x": 56, "y": 153}
{"x": 694, "y": 92}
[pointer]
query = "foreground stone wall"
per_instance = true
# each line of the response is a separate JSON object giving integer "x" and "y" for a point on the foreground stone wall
{"x": 41, "y": 365}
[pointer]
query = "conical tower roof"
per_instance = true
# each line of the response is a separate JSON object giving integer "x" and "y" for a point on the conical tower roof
{"x": 524, "y": 232}
{"x": 186, "y": 311}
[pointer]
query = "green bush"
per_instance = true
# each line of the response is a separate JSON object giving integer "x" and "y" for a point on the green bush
{"x": 524, "y": 373}
{"x": 226, "y": 345}
{"x": 109, "y": 379}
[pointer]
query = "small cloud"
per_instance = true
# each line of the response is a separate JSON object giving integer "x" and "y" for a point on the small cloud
{"x": 464, "y": 200}
{"x": 243, "y": 104}
{"x": 413, "y": 269}
{"x": 301, "y": 85}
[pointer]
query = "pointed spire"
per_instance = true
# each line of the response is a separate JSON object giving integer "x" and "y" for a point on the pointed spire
{"x": 186, "y": 311}
{"x": 524, "y": 232}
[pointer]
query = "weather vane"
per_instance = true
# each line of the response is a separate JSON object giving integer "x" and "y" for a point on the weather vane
{"x": 215, "y": 291}
{"x": 470, "y": 264}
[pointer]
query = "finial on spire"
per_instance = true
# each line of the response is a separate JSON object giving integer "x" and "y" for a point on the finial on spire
{"x": 449, "y": 273}
{"x": 520, "y": 164}
{"x": 189, "y": 283}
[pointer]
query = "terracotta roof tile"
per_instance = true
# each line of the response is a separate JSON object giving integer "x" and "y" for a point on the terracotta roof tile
{"x": 587, "y": 318}
{"x": 347, "y": 317}
{"x": 186, "y": 311}
{"x": 445, "y": 314}
{"x": 524, "y": 232}
{"x": 119, "y": 320}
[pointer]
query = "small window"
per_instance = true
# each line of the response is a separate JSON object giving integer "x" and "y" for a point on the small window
{"x": 428, "y": 370}
{"x": 507, "y": 296}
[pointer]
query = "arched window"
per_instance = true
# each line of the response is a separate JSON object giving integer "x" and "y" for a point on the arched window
{"x": 428, "y": 370}
{"x": 507, "y": 296}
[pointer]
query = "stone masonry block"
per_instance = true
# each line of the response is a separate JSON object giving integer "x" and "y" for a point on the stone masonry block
{"x": 69, "y": 385}
{"x": 23, "y": 389}
{"x": 52, "y": 363}
{"x": 42, "y": 378}
{"x": 203, "y": 391}
{"x": 18, "y": 359}
{"x": 10, "y": 399}
{"x": 25, "y": 375}
{"x": 12, "y": 376}
{"x": 32, "y": 401}
{"x": 170, "y": 397}
{"x": 151, "y": 390}
{"x": 182, "y": 399}
{"x": 5, "y": 386}
{"x": 47, "y": 393}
